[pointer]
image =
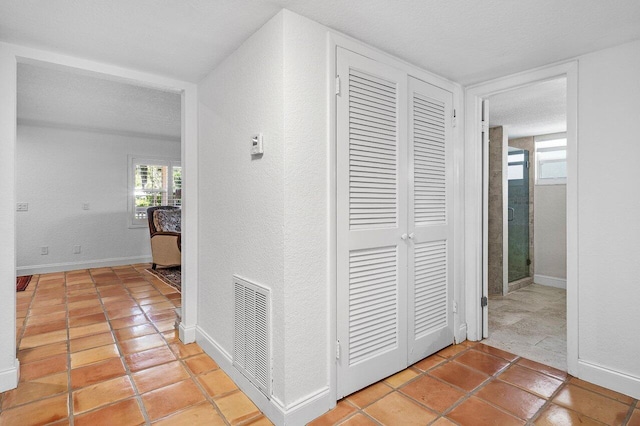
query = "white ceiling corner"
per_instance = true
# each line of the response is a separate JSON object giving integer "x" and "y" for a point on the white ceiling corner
{"x": 464, "y": 41}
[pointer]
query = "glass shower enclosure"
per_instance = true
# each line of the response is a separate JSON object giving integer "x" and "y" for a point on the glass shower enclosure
{"x": 518, "y": 213}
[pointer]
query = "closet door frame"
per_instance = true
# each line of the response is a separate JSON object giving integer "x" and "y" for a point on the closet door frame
{"x": 335, "y": 40}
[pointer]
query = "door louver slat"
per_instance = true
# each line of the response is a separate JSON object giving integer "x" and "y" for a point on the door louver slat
{"x": 372, "y": 152}
{"x": 430, "y": 292}
{"x": 372, "y": 302}
{"x": 430, "y": 207}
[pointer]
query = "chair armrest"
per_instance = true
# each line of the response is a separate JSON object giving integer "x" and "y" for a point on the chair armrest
{"x": 178, "y": 235}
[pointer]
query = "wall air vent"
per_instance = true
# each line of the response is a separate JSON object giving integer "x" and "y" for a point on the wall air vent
{"x": 252, "y": 333}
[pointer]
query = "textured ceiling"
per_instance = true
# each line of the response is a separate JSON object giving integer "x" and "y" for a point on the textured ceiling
{"x": 466, "y": 41}
{"x": 538, "y": 109}
{"x": 60, "y": 97}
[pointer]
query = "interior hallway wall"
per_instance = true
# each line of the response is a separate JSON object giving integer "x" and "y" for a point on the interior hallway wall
{"x": 267, "y": 216}
{"x": 608, "y": 227}
{"x": 551, "y": 235}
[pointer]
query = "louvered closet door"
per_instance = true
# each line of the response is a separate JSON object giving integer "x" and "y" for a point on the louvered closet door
{"x": 372, "y": 217}
{"x": 430, "y": 220}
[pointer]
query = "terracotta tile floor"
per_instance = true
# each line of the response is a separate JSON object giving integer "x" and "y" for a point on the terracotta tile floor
{"x": 99, "y": 347}
{"x": 475, "y": 384}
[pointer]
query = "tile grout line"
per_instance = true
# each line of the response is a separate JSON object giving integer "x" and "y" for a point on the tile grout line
{"x": 137, "y": 395}
{"x": 69, "y": 384}
{"x": 474, "y": 391}
{"x": 184, "y": 365}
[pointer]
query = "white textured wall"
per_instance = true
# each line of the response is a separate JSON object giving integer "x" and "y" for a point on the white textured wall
{"x": 306, "y": 215}
{"x": 8, "y": 371}
{"x": 550, "y": 238}
{"x": 241, "y": 199}
{"x": 56, "y": 172}
{"x": 609, "y": 229}
{"x": 267, "y": 218}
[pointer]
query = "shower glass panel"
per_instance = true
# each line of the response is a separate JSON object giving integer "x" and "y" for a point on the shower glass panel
{"x": 518, "y": 213}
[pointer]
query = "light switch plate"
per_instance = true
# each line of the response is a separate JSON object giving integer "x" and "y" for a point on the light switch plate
{"x": 256, "y": 144}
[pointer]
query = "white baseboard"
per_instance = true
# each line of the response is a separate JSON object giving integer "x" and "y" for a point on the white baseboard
{"x": 550, "y": 281}
{"x": 461, "y": 336}
{"x": 301, "y": 412}
{"x": 187, "y": 334}
{"x": 9, "y": 378}
{"x": 611, "y": 379}
{"x": 71, "y": 266}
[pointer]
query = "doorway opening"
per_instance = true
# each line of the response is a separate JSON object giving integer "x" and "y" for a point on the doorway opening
{"x": 526, "y": 217}
{"x": 98, "y": 121}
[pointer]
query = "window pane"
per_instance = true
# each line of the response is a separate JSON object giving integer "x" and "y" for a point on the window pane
{"x": 151, "y": 187}
{"x": 177, "y": 186}
{"x": 150, "y": 177}
{"x": 551, "y": 143}
{"x": 560, "y": 154}
{"x": 551, "y": 159}
{"x": 552, "y": 170}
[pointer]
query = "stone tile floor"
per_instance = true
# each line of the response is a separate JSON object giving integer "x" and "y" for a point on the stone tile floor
{"x": 531, "y": 322}
{"x": 99, "y": 347}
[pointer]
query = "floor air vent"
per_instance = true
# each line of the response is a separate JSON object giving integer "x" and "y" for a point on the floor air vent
{"x": 251, "y": 336}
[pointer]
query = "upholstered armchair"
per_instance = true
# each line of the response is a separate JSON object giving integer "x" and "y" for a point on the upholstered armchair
{"x": 165, "y": 230}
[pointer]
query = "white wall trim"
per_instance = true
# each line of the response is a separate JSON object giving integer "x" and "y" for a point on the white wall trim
{"x": 8, "y": 101}
{"x": 473, "y": 194}
{"x": 300, "y": 412}
{"x": 333, "y": 216}
{"x": 550, "y": 281}
{"x": 190, "y": 219}
{"x": 9, "y": 378}
{"x": 610, "y": 379}
{"x": 69, "y": 266}
{"x": 187, "y": 334}
{"x": 461, "y": 335}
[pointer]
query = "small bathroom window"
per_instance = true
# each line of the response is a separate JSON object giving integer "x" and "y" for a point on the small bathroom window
{"x": 551, "y": 159}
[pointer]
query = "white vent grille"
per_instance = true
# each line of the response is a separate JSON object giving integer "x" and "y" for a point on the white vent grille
{"x": 372, "y": 152}
{"x": 429, "y": 161}
{"x": 251, "y": 337}
{"x": 430, "y": 287}
{"x": 373, "y": 302}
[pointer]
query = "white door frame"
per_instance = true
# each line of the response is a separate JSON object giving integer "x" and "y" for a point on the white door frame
{"x": 10, "y": 56}
{"x": 474, "y": 194}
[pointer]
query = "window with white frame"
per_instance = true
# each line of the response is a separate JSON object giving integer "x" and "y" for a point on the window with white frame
{"x": 551, "y": 159}
{"x": 153, "y": 182}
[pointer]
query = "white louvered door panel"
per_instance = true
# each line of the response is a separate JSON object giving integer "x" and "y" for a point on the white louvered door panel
{"x": 430, "y": 219}
{"x": 372, "y": 217}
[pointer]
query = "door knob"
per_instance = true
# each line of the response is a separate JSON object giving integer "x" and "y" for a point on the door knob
{"x": 403, "y": 236}
{"x": 411, "y": 235}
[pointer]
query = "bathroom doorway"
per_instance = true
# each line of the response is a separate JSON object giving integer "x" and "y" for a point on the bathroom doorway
{"x": 527, "y": 295}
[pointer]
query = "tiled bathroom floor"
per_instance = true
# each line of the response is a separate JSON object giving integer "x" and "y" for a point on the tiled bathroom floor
{"x": 531, "y": 322}
{"x": 98, "y": 347}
